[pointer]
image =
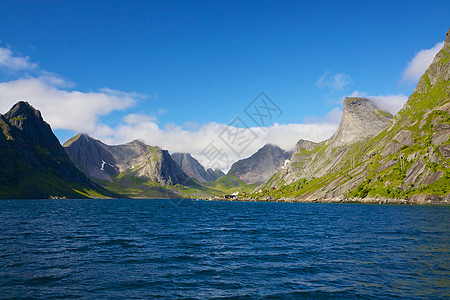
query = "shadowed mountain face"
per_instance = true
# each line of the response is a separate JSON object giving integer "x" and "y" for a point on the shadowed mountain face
{"x": 194, "y": 169}
{"x": 259, "y": 167}
{"x": 33, "y": 163}
{"x": 136, "y": 159}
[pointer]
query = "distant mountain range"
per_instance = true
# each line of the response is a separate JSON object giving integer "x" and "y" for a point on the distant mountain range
{"x": 373, "y": 156}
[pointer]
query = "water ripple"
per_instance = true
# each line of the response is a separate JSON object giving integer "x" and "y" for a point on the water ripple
{"x": 138, "y": 249}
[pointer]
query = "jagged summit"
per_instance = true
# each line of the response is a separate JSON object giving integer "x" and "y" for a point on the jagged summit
{"x": 259, "y": 167}
{"x": 29, "y": 121}
{"x": 360, "y": 119}
{"x": 193, "y": 168}
{"x": 34, "y": 165}
{"x": 136, "y": 159}
{"x": 23, "y": 107}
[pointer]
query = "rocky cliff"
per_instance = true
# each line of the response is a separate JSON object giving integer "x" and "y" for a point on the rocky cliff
{"x": 135, "y": 159}
{"x": 33, "y": 163}
{"x": 408, "y": 160}
{"x": 361, "y": 120}
{"x": 259, "y": 167}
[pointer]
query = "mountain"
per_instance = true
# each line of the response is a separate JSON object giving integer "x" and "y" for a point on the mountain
{"x": 136, "y": 159}
{"x": 141, "y": 171}
{"x": 259, "y": 167}
{"x": 215, "y": 174}
{"x": 361, "y": 120}
{"x": 34, "y": 164}
{"x": 193, "y": 168}
{"x": 407, "y": 160}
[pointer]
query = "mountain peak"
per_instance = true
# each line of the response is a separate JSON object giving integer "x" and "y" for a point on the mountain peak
{"x": 81, "y": 137}
{"x": 360, "y": 119}
{"x": 192, "y": 167}
{"x": 28, "y": 120}
{"x": 352, "y": 101}
{"x": 261, "y": 165}
{"x": 23, "y": 109}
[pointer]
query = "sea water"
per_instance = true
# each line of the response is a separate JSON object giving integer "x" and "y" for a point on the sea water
{"x": 210, "y": 249}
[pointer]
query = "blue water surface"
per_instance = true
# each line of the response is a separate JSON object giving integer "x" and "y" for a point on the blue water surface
{"x": 133, "y": 249}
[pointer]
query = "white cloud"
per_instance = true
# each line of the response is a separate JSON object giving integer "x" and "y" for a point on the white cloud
{"x": 420, "y": 62}
{"x": 195, "y": 141}
{"x": 13, "y": 62}
{"x": 73, "y": 110}
{"x": 61, "y": 108}
{"x": 336, "y": 82}
{"x": 390, "y": 103}
{"x": 65, "y": 108}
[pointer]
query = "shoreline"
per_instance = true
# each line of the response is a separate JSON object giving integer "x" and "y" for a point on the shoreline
{"x": 414, "y": 200}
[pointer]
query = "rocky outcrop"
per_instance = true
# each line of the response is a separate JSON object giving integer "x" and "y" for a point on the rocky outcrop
{"x": 361, "y": 120}
{"x": 259, "y": 167}
{"x": 33, "y": 163}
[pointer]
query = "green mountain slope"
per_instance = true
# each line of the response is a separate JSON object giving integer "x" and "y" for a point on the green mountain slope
{"x": 409, "y": 159}
{"x": 32, "y": 162}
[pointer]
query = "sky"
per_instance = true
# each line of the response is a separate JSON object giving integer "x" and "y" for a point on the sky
{"x": 217, "y": 79}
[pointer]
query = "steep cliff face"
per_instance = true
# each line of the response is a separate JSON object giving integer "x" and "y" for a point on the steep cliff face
{"x": 136, "y": 159}
{"x": 33, "y": 163}
{"x": 259, "y": 167}
{"x": 193, "y": 168}
{"x": 361, "y": 120}
{"x": 409, "y": 159}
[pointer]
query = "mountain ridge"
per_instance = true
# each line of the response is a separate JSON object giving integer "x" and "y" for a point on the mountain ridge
{"x": 135, "y": 158}
{"x": 408, "y": 160}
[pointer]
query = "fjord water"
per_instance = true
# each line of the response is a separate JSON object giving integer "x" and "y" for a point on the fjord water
{"x": 198, "y": 249}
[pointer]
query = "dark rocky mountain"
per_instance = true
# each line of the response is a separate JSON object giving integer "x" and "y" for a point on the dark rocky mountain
{"x": 135, "y": 159}
{"x": 34, "y": 164}
{"x": 259, "y": 167}
{"x": 193, "y": 168}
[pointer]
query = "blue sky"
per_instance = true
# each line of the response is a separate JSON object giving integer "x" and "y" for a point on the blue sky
{"x": 175, "y": 73}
